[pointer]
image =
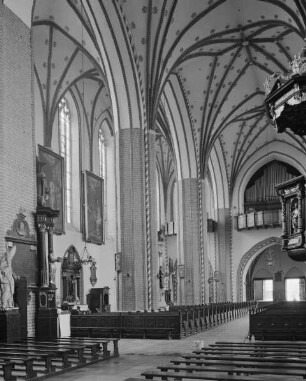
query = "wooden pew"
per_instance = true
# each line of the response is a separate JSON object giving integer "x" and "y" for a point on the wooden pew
{"x": 6, "y": 370}
{"x": 61, "y": 355}
{"x": 41, "y": 359}
{"x": 281, "y": 321}
{"x": 292, "y": 344}
{"x": 242, "y": 358}
{"x": 105, "y": 324}
{"x": 162, "y": 324}
{"x": 178, "y": 322}
{"x": 46, "y": 344}
{"x": 154, "y": 375}
{"x": 92, "y": 344}
{"x": 36, "y": 358}
{"x": 259, "y": 347}
{"x": 226, "y": 362}
{"x": 102, "y": 341}
{"x": 22, "y": 364}
{"x": 271, "y": 364}
{"x": 254, "y": 351}
{"x": 238, "y": 370}
{"x": 93, "y": 348}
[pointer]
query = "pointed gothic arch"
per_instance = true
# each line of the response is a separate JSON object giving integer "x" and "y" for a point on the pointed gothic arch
{"x": 246, "y": 261}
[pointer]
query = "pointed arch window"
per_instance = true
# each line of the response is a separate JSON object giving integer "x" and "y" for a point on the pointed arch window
{"x": 65, "y": 151}
{"x": 101, "y": 154}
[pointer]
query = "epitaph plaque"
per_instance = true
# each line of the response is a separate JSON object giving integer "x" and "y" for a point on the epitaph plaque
{"x": 292, "y": 196}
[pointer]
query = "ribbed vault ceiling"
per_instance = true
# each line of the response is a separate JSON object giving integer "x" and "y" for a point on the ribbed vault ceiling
{"x": 217, "y": 53}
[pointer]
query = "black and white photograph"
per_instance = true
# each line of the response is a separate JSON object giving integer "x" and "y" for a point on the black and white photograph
{"x": 153, "y": 204}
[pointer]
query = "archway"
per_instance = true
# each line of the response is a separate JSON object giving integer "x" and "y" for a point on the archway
{"x": 246, "y": 262}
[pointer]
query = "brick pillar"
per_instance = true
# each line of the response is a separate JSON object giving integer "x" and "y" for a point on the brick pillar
{"x": 17, "y": 144}
{"x": 205, "y": 242}
{"x": 152, "y": 217}
{"x": 138, "y": 220}
{"x": 224, "y": 286}
{"x": 191, "y": 241}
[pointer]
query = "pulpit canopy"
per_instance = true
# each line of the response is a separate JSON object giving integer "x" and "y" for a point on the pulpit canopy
{"x": 286, "y": 97}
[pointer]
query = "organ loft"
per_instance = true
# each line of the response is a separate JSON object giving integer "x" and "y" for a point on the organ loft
{"x": 152, "y": 189}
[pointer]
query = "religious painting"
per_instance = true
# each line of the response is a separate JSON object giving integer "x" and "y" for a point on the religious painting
{"x": 52, "y": 172}
{"x": 93, "y": 197}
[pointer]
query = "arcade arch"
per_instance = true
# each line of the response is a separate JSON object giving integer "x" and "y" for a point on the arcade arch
{"x": 246, "y": 261}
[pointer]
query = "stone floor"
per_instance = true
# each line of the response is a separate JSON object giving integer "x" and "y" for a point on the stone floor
{"x": 137, "y": 356}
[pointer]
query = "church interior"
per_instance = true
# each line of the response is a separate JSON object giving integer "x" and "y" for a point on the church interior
{"x": 144, "y": 144}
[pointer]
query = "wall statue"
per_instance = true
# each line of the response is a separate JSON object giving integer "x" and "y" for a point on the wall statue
{"x": 7, "y": 279}
{"x": 52, "y": 268}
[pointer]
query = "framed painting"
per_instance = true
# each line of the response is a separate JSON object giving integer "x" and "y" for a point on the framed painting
{"x": 93, "y": 201}
{"x": 52, "y": 165}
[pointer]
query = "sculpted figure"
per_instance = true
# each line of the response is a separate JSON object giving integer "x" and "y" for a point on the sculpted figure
{"x": 295, "y": 218}
{"x": 7, "y": 279}
{"x": 161, "y": 277}
{"x": 52, "y": 268}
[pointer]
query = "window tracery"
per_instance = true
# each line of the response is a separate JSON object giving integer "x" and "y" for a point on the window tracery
{"x": 65, "y": 151}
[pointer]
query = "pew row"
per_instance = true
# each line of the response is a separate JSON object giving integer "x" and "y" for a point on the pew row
{"x": 177, "y": 323}
{"x": 34, "y": 359}
{"x": 235, "y": 361}
{"x": 156, "y": 375}
{"x": 281, "y": 321}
